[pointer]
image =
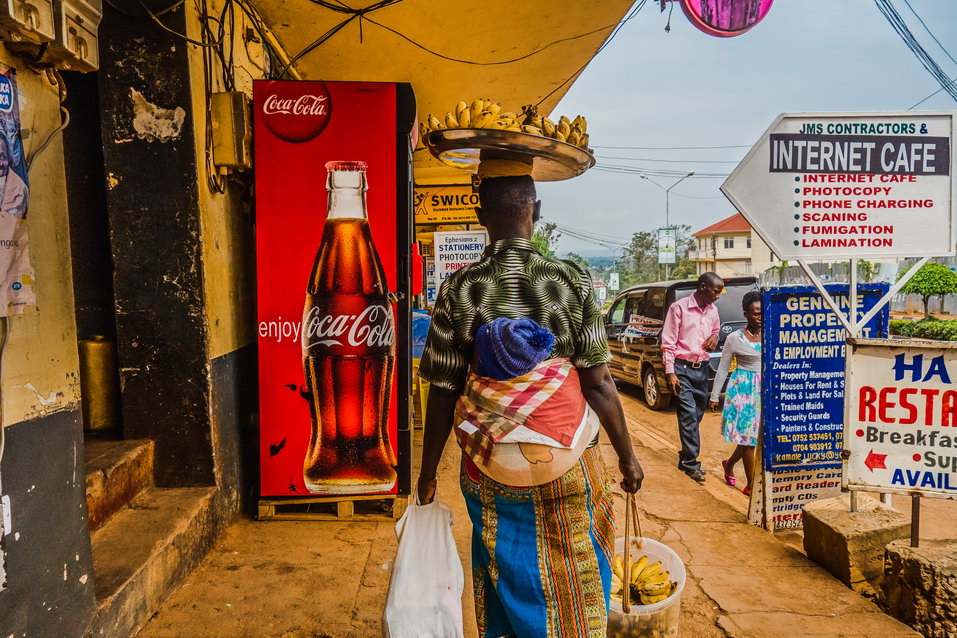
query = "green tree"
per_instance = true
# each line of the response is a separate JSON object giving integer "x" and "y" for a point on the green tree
{"x": 933, "y": 280}
{"x": 578, "y": 259}
{"x": 545, "y": 238}
{"x": 867, "y": 269}
{"x": 639, "y": 261}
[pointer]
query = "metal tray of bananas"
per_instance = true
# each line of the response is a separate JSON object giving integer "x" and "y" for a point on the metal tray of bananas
{"x": 480, "y": 132}
{"x": 551, "y": 160}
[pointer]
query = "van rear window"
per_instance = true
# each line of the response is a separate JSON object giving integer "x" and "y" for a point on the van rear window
{"x": 729, "y": 303}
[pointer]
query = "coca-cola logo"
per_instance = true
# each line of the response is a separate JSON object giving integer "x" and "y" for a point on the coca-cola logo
{"x": 372, "y": 328}
{"x": 296, "y": 111}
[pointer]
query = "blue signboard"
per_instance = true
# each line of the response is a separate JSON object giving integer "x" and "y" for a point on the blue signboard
{"x": 803, "y": 373}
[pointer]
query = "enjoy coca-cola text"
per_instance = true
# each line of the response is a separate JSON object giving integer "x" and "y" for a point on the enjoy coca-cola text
{"x": 372, "y": 327}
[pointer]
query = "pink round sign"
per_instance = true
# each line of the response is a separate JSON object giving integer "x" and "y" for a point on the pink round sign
{"x": 725, "y": 18}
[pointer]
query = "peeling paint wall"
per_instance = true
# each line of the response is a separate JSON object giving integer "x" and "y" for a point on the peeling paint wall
{"x": 227, "y": 218}
{"x": 228, "y": 249}
{"x": 49, "y": 591}
{"x": 40, "y": 367}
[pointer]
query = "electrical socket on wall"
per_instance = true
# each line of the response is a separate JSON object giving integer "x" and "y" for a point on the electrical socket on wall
{"x": 5, "y": 516}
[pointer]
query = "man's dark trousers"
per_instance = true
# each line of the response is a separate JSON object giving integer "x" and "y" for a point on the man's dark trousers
{"x": 691, "y": 400}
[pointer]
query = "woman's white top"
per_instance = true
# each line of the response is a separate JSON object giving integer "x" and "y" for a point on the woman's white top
{"x": 739, "y": 346}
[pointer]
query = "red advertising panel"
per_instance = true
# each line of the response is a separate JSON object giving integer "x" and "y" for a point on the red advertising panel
{"x": 332, "y": 236}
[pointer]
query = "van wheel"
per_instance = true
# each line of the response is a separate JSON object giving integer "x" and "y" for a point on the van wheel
{"x": 653, "y": 395}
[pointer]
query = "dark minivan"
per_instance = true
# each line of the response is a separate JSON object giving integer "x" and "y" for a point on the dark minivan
{"x": 634, "y": 322}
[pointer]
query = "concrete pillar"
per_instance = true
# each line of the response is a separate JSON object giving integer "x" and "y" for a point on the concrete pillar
{"x": 851, "y": 545}
{"x": 920, "y": 586}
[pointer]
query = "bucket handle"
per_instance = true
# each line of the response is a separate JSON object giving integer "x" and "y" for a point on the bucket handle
{"x": 631, "y": 516}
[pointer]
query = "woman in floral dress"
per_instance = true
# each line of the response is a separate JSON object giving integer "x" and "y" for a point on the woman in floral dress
{"x": 742, "y": 402}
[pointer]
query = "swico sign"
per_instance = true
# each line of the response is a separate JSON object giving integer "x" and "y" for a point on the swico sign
{"x": 293, "y": 116}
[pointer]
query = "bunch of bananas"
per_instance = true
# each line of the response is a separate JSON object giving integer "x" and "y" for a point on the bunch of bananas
{"x": 484, "y": 113}
{"x": 648, "y": 583}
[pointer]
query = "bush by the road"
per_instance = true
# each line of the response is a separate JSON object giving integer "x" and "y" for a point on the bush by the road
{"x": 942, "y": 330}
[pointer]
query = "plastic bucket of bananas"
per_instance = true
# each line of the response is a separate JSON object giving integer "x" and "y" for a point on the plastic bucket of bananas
{"x": 653, "y": 583}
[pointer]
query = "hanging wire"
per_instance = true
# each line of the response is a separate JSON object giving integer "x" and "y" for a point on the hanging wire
{"x": 898, "y": 24}
{"x": 630, "y": 16}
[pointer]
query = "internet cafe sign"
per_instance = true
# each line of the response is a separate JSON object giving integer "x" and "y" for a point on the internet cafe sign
{"x": 900, "y": 424}
{"x": 850, "y": 185}
{"x": 445, "y": 205}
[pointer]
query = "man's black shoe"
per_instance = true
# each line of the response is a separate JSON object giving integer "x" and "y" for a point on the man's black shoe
{"x": 697, "y": 476}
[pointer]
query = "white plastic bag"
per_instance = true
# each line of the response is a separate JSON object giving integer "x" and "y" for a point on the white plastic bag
{"x": 425, "y": 595}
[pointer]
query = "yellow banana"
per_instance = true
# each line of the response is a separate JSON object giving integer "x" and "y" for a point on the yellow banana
{"x": 483, "y": 120}
{"x": 486, "y": 103}
{"x": 461, "y": 106}
{"x": 650, "y": 571}
{"x": 494, "y": 108}
{"x": 564, "y": 127}
{"x": 584, "y": 141}
{"x": 580, "y": 123}
{"x": 616, "y": 584}
{"x": 636, "y": 568}
{"x": 619, "y": 565}
{"x": 558, "y": 136}
{"x": 574, "y": 138}
{"x": 450, "y": 121}
{"x": 465, "y": 118}
{"x": 654, "y": 582}
{"x": 548, "y": 127}
{"x": 535, "y": 121}
{"x": 434, "y": 123}
{"x": 475, "y": 109}
{"x": 514, "y": 127}
{"x": 651, "y": 600}
{"x": 531, "y": 129}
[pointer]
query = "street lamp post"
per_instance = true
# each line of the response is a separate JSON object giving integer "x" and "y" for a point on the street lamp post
{"x": 667, "y": 205}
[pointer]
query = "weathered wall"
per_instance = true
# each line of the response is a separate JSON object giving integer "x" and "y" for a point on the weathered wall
{"x": 152, "y": 199}
{"x": 227, "y": 225}
{"x": 49, "y": 570}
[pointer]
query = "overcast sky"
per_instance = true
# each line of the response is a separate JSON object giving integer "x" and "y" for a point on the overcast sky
{"x": 685, "y": 88}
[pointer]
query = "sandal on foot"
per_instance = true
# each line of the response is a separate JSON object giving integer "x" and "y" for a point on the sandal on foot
{"x": 728, "y": 477}
{"x": 746, "y": 492}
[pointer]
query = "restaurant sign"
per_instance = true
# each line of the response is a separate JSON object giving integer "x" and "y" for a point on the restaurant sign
{"x": 900, "y": 432}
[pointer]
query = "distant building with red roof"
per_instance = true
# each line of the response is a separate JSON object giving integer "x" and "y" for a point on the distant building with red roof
{"x": 730, "y": 248}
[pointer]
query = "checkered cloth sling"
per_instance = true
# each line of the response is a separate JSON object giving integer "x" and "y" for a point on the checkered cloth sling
{"x": 547, "y": 400}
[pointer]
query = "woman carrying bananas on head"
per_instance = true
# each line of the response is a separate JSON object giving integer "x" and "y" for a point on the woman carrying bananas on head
{"x": 526, "y": 403}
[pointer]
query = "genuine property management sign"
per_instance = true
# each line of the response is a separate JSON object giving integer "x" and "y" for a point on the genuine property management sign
{"x": 835, "y": 186}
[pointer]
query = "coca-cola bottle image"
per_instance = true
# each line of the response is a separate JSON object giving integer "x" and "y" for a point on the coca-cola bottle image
{"x": 348, "y": 348}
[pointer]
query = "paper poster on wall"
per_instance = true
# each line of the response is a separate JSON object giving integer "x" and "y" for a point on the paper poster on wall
{"x": 457, "y": 250}
{"x": 16, "y": 275}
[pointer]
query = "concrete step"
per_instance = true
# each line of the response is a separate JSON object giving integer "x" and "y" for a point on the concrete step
{"x": 145, "y": 551}
{"x": 116, "y": 471}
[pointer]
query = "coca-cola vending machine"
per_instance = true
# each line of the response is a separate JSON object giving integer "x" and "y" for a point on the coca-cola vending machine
{"x": 333, "y": 165}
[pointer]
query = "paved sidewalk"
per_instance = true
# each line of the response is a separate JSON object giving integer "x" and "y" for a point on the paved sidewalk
{"x": 298, "y": 579}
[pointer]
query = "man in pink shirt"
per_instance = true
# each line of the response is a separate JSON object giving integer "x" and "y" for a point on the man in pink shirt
{"x": 688, "y": 337}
